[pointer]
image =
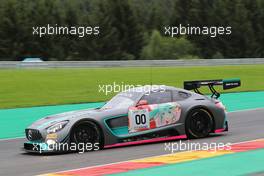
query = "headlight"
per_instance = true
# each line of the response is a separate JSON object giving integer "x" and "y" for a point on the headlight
{"x": 57, "y": 127}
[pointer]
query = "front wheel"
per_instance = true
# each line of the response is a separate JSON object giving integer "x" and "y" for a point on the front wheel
{"x": 199, "y": 123}
{"x": 86, "y": 136}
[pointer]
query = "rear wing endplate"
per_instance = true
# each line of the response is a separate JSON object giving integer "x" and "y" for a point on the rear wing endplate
{"x": 227, "y": 84}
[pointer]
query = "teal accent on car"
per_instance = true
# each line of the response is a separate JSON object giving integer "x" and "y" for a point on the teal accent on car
{"x": 113, "y": 117}
{"x": 153, "y": 113}
{"x": 231, "y": 80}
{"x": 120, "y": 130}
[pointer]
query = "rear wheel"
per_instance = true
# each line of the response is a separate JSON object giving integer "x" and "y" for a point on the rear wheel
{"x": 199, "y": 123}
{"x": 86, "y": 135}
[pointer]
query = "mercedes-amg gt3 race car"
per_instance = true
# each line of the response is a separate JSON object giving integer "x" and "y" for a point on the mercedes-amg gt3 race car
{"x": 139, "y": 115}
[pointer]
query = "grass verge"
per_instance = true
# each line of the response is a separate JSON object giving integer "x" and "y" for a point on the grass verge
{"x": 35, "y": 87}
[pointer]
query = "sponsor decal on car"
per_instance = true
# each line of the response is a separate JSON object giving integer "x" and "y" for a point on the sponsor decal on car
{"x": 153, "y": 116}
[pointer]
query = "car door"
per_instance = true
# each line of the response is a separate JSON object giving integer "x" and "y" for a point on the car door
{"x": 157, "y": 110}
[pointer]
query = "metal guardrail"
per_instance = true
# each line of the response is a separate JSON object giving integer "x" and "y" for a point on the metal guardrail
{"x": 131, "y": 63}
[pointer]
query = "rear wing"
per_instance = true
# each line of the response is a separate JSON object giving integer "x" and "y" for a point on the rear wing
{"x": 227, "y": 84}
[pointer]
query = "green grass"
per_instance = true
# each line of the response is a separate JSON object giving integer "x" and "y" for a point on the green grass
{"x": 35, "y": 87}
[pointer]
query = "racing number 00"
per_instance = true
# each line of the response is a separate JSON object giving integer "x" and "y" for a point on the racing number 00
{"x": 140, "y": 119}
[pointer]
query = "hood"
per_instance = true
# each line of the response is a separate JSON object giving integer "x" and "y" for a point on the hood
{"x": 52, "y": 119}
{"x": 91, "y": 113}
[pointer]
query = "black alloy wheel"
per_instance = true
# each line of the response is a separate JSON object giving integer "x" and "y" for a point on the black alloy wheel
{"x": 87, "y": 133}
{"x": 199, "y": 123}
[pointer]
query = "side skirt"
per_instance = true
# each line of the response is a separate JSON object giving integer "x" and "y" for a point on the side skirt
{"x": 161, "y": 139}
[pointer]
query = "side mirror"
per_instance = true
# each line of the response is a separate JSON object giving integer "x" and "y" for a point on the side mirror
{"x": 142, "y": 102}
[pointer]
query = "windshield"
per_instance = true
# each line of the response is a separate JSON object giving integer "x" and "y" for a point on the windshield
{"x": 122, "y": 100}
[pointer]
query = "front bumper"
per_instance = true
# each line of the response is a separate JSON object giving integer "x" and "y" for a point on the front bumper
{"x": 38, "y": 147}
{"x": 48, "y": 146}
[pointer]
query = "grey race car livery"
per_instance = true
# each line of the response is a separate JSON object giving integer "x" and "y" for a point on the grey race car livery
{"x": 138, "y": 115}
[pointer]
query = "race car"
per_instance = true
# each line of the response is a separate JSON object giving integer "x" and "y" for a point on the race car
{"x": 138, "y": 115}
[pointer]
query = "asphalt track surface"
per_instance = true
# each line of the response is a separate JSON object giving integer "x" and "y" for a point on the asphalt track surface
{"x": 243, "y": 125}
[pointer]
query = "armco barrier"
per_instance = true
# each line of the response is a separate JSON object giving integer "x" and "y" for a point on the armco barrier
{"x": 131, "y": 63}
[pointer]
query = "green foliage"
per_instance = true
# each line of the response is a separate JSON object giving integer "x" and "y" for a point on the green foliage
{"x": 121, "y": 35}
{"x": 218, "y": 55}
{"x": 126, "y": 28}
{"x": 244, "y": 16}
{"x": 168, "y": 48}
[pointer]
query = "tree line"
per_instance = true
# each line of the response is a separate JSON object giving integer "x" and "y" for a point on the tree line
{"x": 131, "y": 29}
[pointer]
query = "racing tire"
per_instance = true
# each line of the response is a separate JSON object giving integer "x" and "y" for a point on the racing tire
{"x": 88, "y": 135}
{"x": 199, "y": 124}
